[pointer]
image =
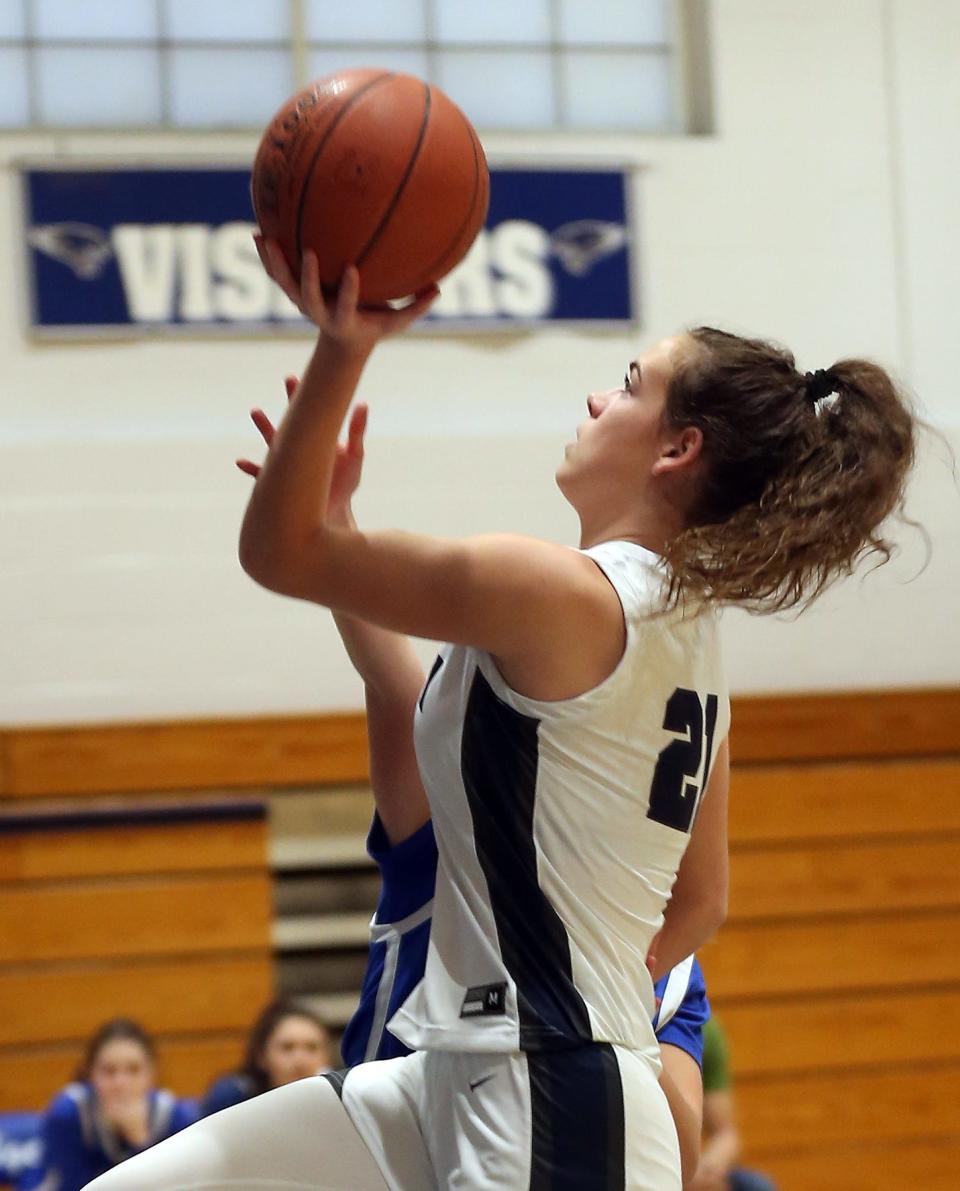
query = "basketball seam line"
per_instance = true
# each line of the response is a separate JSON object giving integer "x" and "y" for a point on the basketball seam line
{"x": 465, "y": 222}
{"x": 402, "y": 185}
{"x": 381, "y": 78}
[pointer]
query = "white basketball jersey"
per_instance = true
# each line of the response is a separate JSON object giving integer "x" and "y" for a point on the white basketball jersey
{"x": 560, "y": 827}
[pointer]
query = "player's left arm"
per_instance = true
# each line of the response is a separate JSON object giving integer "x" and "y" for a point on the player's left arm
{"x": 698, "y": 903}
{"x": 682, "y": 1085}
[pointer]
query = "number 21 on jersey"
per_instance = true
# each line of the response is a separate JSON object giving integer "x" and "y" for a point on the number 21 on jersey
{"x": 683, "y": 767}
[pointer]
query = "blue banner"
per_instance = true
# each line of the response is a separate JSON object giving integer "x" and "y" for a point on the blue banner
{"x": 133, "y": 249}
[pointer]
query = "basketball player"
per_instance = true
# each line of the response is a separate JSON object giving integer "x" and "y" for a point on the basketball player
{"x": 572, "y": 740}
{"x": 402, "y": 844}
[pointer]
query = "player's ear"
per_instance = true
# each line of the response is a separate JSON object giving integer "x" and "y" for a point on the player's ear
{"x": 680, "y": 450}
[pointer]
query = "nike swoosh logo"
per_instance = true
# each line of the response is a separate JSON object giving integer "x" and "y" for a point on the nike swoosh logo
{"x": 476, "y": 1083}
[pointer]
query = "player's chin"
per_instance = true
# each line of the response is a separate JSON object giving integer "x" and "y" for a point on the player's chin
{"x": 566, "y": 470}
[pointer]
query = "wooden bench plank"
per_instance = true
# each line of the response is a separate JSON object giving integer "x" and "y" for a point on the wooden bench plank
{"x": 54, "y": 1003}
{"x": 123, "y": 851}
{"x": 931, "y": 1164}
{"x": 844, "y": 878}
{"x": 841, "y": 1108}
{"x": 137, "y": 916}
{"x": 186, "y": 755}
{"x": 922, "y": 722}
{"x": 304, "y": 750}
{"x": 843, "y": 800}
{"x": 764, "y": 959}
{"x": 817, "y": 1034}
{"x": 31, "y": 1076}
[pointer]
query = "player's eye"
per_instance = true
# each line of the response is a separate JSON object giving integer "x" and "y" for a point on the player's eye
{"x": 626, "y": 382}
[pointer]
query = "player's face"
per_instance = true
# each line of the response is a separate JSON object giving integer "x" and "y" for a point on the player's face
{"x": 623, "y": 435}
{"x": 296, "y": 1048}
{"x": 122, "y": 1071}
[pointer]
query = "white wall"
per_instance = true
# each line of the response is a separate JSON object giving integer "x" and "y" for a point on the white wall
{"x": 823, "y": 214}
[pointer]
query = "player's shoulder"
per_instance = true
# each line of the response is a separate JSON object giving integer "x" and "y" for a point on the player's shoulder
{"x": 70, "y": 1104}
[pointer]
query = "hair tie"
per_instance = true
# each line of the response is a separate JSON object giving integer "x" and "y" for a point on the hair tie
{"x": 820, "y": 384}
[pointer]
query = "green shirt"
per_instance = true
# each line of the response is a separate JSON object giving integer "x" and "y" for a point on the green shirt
{"x": 716, "y": 1058}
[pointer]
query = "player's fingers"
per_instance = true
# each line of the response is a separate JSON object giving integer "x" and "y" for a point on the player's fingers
{"x": 313, "y": 300}
{"x": 291, "y": 384}
{"x": 348, "y": 295}
{"x": 358, "y": 428}
{"x": 248, "y": 467}
{"x": 263, "y": 424}
{"x": 418, "y": 307}
{"x": 281, "y": 272}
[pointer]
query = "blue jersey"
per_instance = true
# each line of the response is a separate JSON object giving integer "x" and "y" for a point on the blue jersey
{"x": 400, "y": 932}
{"x": 227, "y": 1091}
{"x": 79, "y": 1144}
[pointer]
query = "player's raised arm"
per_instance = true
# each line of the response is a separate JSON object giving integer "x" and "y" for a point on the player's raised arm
{"x": 518, "y": 598}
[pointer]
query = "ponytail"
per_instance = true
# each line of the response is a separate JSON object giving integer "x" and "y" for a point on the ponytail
{"x": 801, "y": 472}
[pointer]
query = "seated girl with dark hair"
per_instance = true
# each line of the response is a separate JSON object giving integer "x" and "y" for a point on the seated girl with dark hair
{"x": 287, "y": 1042}
{"x": 111, "y": 1111}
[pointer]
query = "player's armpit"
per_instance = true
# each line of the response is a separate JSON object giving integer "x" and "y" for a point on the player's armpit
{"x": 521, "y": 599}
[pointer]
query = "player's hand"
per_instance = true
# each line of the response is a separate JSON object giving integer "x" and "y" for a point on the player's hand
{"x": 130, "y": 1118}
{"x": 340, "y": 318}
{"x": 708, "y": 1178}
{"x": 348, "y": 465}
{"x": 266, "y": 428}
{"x": 347, "y": 469}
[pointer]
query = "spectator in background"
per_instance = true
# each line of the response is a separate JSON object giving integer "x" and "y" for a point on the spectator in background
{"x": 717, "y": 1170}
{"x": 287, "y": 1042}
{"x": 110, "y": 1112}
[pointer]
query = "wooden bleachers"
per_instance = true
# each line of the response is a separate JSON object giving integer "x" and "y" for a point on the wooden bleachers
{"x": 837, "y": 976}
{"x": 837, "y": 973}
{"x": 157, "y": 910}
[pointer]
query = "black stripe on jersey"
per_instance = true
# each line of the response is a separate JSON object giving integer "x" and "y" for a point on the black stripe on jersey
{"x": 498, "y": 762}
{"x": 437, "y": 663}
{"x": 336, "y": 1079}
{"x": 576, "y": 1102}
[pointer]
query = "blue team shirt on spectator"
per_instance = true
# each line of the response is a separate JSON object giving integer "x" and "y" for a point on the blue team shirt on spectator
{"x": 225, "y": 1092}
{"x": 79, "y": 1145}
{"x": 400, "y": 932}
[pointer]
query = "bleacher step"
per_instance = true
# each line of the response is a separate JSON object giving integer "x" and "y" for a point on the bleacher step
{"x": 317, "y": 932}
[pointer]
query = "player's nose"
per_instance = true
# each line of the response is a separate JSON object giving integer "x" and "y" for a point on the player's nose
{"x": 598, "y": 402}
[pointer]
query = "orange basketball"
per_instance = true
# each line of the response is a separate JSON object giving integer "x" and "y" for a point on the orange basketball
{"x": 376, "y": 169}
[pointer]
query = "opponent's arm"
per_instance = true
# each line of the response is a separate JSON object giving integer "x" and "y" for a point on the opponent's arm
{"x": 392, "y": 677}
{"x": 698, "y": 903}
{"x": 682, "y": 1085}
{"x": 518, "y": 598}
{"x": 391, "y": 672}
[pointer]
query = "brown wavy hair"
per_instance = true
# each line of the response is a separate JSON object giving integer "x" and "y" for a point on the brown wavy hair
{"x": 117, "y": 1028}
{"x": 795, "y": 488}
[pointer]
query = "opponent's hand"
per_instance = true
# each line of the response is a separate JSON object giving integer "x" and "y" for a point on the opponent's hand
{"x": 340, "y": 318}
{"x": 266, "y": 428}
{"x": 348, "y": 465}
